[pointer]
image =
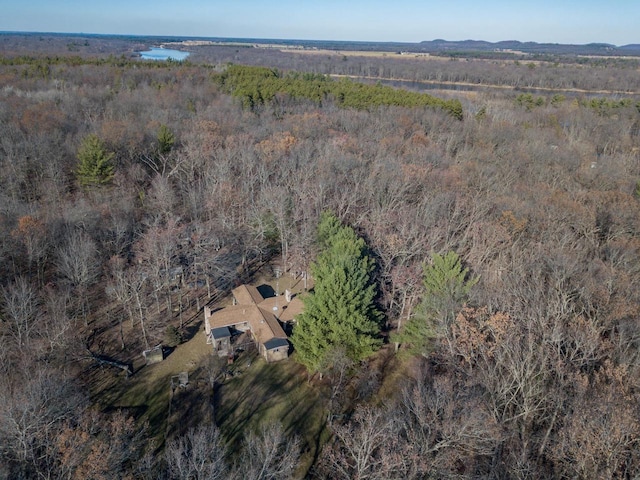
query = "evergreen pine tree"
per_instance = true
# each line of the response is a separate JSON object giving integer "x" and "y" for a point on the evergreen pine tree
{"x": 166, "y": 140}
{"x": 446, "y": 289}
{"x": 94, "y": 163}
{"x": 328, "y": 228}
{"x": 341, "y": 311}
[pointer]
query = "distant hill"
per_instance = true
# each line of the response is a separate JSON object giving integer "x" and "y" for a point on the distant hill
{"x": 22, "y": 41}
{"x": 531, "y": 48}
{"x": 634, "y": 47}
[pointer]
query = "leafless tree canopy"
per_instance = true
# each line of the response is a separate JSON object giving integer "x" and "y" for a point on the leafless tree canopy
{"x": 533, "y": 375}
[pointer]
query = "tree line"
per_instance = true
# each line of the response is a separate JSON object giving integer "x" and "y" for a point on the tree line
{"x": 563, "y": 72}
{"x": 260, "y": 85}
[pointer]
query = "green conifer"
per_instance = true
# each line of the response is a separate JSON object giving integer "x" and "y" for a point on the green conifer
{"x": 95, "y": 167}
{"x": 341, "y": 310}
{"x": 446, "y": 288}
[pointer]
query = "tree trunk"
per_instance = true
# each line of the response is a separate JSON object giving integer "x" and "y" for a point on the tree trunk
{"x": 122, "y": 345}
{"x": 102, "y": 360}
{"x": 141, "y": 313}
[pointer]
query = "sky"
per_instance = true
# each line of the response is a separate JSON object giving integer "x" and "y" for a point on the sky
{"x": 554, "y": 21}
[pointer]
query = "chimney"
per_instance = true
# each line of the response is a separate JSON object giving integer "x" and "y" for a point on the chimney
{"x": 207, "y": 315}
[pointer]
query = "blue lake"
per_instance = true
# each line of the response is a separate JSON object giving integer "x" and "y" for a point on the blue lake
{"x": 163, "y": 54}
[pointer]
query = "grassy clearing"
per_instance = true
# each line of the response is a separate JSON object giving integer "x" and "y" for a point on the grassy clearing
{"x": 395, "y": 370}
{"x": 258, "y": 394}
{"x": 263, "y": 393}
{"x": 147, "y": 392}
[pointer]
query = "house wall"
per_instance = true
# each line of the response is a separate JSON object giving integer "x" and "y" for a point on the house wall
{"x": 222, "y": 347}
{"x": 152, "y": 356}
{"x": 273, "y": 355}
{"x": 277, "y": 354}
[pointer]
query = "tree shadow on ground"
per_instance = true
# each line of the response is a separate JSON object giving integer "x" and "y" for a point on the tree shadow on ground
{"x": 147, "y": 402}
{"x": 267, "y": 393}
{"x": 191, "y": 331}
{"x": 190, "y": 408}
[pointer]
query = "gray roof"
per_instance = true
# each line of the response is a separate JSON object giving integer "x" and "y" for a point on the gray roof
{"x": 275, "y": 343}
{"x": 221, "y": 332}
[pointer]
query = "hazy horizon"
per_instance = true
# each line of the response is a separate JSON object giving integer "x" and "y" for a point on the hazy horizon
{"x": 275, "y": 39}
{"x": 546, "y": 21}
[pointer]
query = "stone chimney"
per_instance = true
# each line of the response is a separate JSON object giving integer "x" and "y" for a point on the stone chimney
{"x": 207, "y": 315}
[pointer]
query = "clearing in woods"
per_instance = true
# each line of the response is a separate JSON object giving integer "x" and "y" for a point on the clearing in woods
{"x": 248, "y": 393}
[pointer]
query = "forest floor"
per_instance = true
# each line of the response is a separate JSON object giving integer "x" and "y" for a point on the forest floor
{"x": 148, "y": 393}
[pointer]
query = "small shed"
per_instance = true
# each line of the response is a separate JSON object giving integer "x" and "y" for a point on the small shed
{"x": 176, "y": 275}
{"x": 275, "y": 349}
{"x": 153, "y": 355}
{"x": 221, "y": 339}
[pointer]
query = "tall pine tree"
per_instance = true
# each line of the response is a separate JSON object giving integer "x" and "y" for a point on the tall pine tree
{"x": 446, "y": 288}
{"x": 166, "y": 140}
{"x": 95, "y": 165}
{"x": 340, "y": 312}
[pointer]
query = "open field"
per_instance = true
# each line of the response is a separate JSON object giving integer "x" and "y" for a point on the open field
{"x": 147, "y": 392}
{"x": 363, "y": 53}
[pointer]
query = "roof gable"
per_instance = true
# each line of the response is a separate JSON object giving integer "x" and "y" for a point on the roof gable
{"x": 256, "y": 313}
{"x": 247, "y": 295}
{"x": 263, "y": 324}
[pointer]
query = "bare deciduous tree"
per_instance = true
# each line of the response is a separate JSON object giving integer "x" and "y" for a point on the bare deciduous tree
{"x": 34, "y": 404}
{"x": 599, "y": 437}
{"x": 32, "y": 233}
{"x": 21, "y": 308}
{"x": 365, "y": 449}
{"x": 441, "y": 435}
{"x": 99, "y": 446}
{"x": 269, "y": 455}
{"x": 156, "y": 251}
{"x": 197, "y": 455}
{"x": 338, "y": 366}
{"x": 57, "y": 325}
{"x": 77, "y": 262}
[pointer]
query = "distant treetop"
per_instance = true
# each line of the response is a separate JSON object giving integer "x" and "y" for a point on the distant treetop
{"x": 259, "y": 85}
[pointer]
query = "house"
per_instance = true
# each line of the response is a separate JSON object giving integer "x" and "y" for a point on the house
{"x": 255, "y": 315}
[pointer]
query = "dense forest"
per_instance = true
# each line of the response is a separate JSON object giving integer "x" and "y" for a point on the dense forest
{"x": 476, "y": 310}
